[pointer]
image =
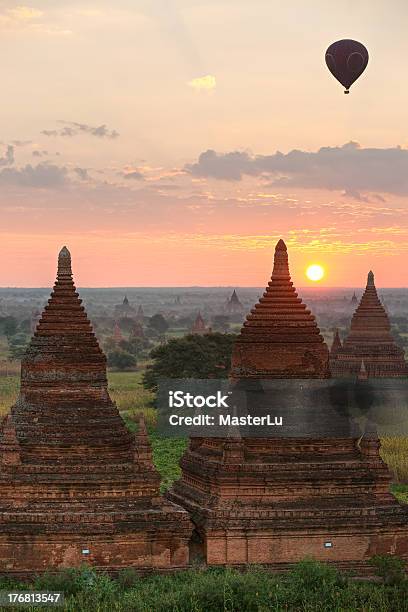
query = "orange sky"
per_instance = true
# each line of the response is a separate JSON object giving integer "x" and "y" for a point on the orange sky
{"x": 146, "y": 137}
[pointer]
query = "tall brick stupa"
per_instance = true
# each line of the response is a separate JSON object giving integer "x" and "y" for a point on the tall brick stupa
{"x": 276, "y": 500}
{"x": 369, "y": 342}
{"x": 280, "y": 334}
{"x": 75, "y": 485}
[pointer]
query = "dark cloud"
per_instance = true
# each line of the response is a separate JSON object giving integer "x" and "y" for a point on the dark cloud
{"x": 72, "y": 128}
{"x": 82, "y": 173}
{"x": 41, "y": 176}
{"x": 134, "y": 174}
{"x": 20, "y": 143}
{"x": 8, "y": 157}
{"x": 349, "y": 168}
{"x": 37, "y": 153}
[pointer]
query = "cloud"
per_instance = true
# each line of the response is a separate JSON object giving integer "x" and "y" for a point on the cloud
{"x": 204, "y": 83}
{"x": 20, "y": 143}
{"x": 8, "y": 157}
{"x": 349, "y": 168}
{"x": 29, "y": 19}
{"x": 82, "y": 173}
{"x": 133, "y": 174}
{"x": 72, "y": 128}
{"x": 24, "y": 13}
{"x": 43, "y": 175}
{"x": 37, "y": 153}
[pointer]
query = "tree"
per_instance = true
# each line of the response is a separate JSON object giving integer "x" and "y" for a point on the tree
{"x": 121, "y": 360}
{"x": 135, "y": 346}
{"x": 9, "y": 325}
{"x": 193, "y": 356}
{"x": 25, "y": 326}
{"x": 158, "y": 324}
{"x": 126, "y": 324}
{"x": 221, "y": 323}
{"x": 17, "y": 346}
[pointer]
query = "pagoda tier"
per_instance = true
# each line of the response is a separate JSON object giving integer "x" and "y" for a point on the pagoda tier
{"x": 276, "y": 500}
{"x": 280, "y": 337}
{"x": 75, "y": 485}
{"x": 370, "y": 342}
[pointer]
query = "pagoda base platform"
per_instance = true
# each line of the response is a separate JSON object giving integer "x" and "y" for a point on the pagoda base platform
{"x": 145, "y": 541}
{"x": 282, "y": 550}
{"x": 280, "y": 537}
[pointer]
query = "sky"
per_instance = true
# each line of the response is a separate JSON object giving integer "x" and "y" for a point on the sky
{"x": 173, "y": 142}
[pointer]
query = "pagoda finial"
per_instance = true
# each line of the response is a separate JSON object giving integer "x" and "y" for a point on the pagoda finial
{"x": 370, "y": 279}
{"x": 64, "y": 262}
{"x": 280, "y": 262}
{"x": 280, "y": 246}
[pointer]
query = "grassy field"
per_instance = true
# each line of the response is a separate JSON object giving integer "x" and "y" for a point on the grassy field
{"x": 9, "y": 386}
{"x": 308, "y": 587}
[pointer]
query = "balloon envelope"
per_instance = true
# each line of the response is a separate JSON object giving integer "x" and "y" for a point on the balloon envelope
{"x": 346, "y": 59}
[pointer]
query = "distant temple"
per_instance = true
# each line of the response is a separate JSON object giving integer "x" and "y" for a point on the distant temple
{"x": 117, "y": 334}
{"x": 277, "y": 500}
{"x": 136, "y": 332}
{"x": 140, "y": 315}
{"x": 199, "y": 326}
{"x": 75, "y": 485}
{"x": 233, "y": 305}
{"x": 354, "y": 300}
{"x": 336, "y": 344}
{"x": 369, "y": 341}
{"x": 124, "y": 309}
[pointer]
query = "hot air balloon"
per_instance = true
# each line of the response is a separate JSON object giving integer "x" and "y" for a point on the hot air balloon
{"x": 346, "y": 59}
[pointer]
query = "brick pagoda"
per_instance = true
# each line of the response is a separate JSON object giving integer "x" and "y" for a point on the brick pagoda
{"x": 280, "y": 334}
{"x": 199, "y": 327}
{"x": 369, "y": 341}
{"x": 234, "y": 305}
{"x": 75, "y": 485}
{"x": 277, "y": 500}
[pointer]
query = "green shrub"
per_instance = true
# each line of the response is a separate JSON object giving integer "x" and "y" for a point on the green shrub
{"x": 390, "y": 568}
{"x": 128, "y": 578}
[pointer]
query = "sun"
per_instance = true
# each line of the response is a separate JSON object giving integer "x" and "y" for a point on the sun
{"x": 315, "y": 272}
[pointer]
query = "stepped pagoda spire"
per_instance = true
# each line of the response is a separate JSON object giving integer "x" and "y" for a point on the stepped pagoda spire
{"x": 280, "y": 337}
{"x": 369, "y": 340}
{"x": 69, "y": 467}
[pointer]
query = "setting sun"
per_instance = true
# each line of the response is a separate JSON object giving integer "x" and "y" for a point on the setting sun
{"x": 315, "y": 272}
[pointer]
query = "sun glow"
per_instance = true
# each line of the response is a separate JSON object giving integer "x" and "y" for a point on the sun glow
{"x": 315, "y": 272}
